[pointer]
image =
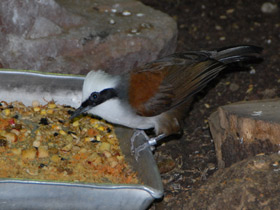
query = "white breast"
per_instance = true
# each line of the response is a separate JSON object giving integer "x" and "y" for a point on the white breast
{"x": 118, "y": 113}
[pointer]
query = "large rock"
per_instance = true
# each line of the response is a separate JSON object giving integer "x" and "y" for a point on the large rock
{"x": 253, "y": 183}
{"x": 76, "y": 36}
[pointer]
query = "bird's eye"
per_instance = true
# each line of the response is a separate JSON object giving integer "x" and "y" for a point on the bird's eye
{"x": 93, "y": 96}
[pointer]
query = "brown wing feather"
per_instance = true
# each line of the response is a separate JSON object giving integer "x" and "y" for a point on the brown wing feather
{"x": 186, "y": 81}
{"x": 164, "y": 84}
{"x": 160, "y": 86}
{"x": 144, "y": 85}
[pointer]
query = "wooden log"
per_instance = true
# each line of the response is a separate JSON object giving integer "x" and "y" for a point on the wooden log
{"x": 244, "y": 129}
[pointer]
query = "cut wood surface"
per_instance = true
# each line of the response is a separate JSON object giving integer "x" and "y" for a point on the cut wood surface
{"x": 244, "y": 129}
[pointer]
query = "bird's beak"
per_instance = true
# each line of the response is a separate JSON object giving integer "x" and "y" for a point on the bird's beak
{"x": 79, "y": 111}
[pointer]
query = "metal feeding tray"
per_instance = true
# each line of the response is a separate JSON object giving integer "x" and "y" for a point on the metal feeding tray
{"x": 27, "y": 86}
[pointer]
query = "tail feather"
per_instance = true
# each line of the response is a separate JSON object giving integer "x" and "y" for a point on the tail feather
{"x": 239, "y": 59}
{"x": 236, "y": 54}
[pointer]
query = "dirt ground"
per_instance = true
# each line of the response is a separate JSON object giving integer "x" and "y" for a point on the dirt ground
{"x": 186, "y": 164}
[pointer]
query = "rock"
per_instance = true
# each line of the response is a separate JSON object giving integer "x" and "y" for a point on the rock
{"x": 245, "y": 129}
{"x": 269, "y": 8}
{"x": 43, "y": 28}
{"x": 269, "y": 93}
{"x": 77, "y": 36}
{"x": 166, "y": 165}
{"x": 233, "y": 87}
{"x": 250, "y": 184}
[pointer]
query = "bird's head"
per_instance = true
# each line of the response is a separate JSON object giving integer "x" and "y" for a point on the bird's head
{"x": 98, "y": 88}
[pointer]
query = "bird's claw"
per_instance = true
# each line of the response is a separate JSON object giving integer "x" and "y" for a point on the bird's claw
{"x": 139, "y": 149}
{"x": 150, "y": 143}
{"x": 136, "y": 150}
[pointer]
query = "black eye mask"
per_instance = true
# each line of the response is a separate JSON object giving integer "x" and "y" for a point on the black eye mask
{"x": 95, "y": 99}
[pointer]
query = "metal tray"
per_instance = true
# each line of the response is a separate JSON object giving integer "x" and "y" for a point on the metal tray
{"x": 27, "y": 86}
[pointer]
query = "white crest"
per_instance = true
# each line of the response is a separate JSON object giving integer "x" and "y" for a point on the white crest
{"x": 97, "y": 81}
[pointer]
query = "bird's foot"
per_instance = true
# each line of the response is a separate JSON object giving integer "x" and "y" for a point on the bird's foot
{"x": 150, "y": 143}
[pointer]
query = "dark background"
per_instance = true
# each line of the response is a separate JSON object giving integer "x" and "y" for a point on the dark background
{"x": 187, "y": 163}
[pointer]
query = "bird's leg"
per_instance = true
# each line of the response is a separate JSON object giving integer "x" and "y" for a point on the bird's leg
{"x": 150, "y": 142}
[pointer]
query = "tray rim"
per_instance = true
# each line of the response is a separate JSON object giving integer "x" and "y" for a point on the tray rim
{"x": 40, "y": 73}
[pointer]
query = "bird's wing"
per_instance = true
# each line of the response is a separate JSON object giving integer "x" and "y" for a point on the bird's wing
{"x": 163, "y": 84}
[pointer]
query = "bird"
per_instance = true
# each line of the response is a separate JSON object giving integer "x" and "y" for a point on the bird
{"x": 157, "y": 95}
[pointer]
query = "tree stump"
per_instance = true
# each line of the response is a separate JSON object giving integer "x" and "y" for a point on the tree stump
{"x": 245, "y": 129}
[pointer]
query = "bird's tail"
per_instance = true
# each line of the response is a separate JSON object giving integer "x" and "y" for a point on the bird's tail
{"x": 202, "y": 74}
{"x": 236, "y": 54}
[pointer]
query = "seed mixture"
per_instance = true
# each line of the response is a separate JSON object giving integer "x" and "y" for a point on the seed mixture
{"x": 40, "y": 142}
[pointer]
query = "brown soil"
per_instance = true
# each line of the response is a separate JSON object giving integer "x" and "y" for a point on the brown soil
{"x": 187, "y": 163}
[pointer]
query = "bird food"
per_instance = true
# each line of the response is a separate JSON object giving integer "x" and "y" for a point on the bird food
{"x": 39, "y": 142}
